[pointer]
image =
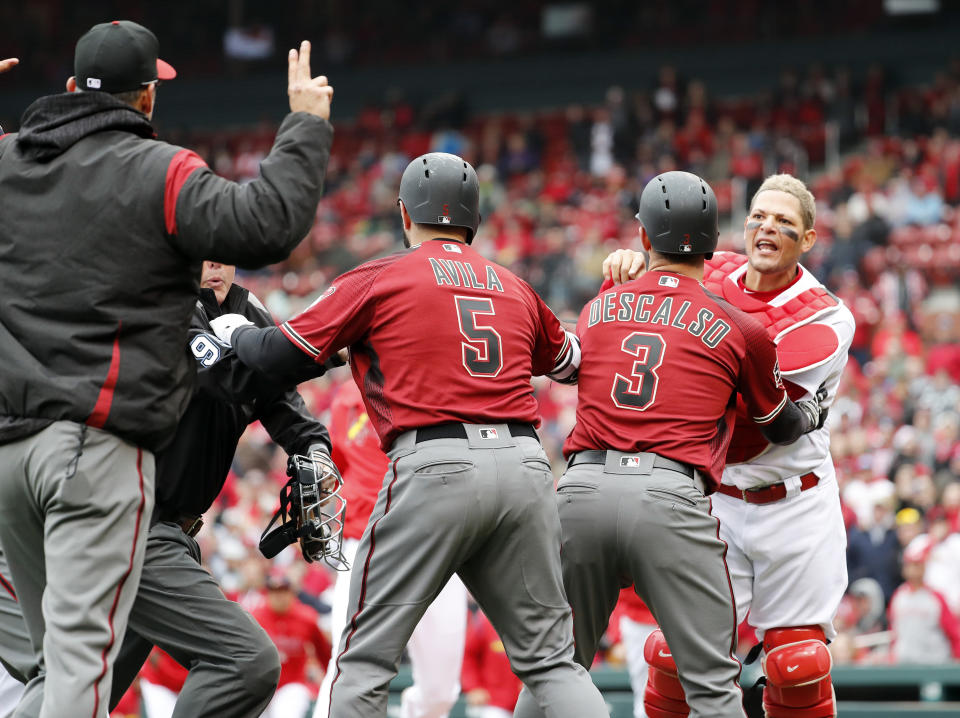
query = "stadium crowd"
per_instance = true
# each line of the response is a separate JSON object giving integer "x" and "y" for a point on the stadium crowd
{"x": 559, "y": 191}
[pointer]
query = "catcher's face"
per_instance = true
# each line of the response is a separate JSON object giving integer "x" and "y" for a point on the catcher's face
{"x": 774, "y": 235}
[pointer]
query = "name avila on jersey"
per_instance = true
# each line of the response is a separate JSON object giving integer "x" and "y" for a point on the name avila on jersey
{"x": 462, "y": 274}
{"x": 630, "y": 307}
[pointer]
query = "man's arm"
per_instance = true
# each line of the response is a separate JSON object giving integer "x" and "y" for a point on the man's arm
{"x": 8, "y": 64}
{"x": 781, "y": 421}
{"x": 291, "y": 425}
{"x": 557, "y": 351}
{"x": 251, "y": 225}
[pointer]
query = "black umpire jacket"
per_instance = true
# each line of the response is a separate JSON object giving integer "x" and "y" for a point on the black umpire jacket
{"x": 228, "y": 396}
{"x": 102, "y": 233}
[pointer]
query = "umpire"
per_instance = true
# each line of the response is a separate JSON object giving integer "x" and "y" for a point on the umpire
{"x": 234, "y": 666}
{"x": 103, "y": 233}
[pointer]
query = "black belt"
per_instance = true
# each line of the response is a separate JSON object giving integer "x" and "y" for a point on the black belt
{"x": 456, "y": 431}
{"x": 659, "y": 462}
{"x": 190, "y": 525}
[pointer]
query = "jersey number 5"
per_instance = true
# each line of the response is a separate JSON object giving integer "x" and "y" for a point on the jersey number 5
{"x": 648, "y": 348}
{"x": 482, "y": 350}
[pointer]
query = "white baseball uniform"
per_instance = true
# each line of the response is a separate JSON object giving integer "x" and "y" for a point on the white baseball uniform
{"x": 787, "y": 558}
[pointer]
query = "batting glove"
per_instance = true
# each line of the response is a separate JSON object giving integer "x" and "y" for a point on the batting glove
{"x": 224, "y": 326}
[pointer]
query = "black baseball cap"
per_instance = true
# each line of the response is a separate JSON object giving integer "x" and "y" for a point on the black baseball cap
{"x": 118, "y": 56}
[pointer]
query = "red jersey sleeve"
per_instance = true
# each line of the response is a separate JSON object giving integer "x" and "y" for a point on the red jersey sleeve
{"x": 557, "y": 351}
{"x": 341, "y": 315}
{"x": 759, "y": 382}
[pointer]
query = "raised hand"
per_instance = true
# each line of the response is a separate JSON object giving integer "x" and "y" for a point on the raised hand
{"x": 307, "y": 94}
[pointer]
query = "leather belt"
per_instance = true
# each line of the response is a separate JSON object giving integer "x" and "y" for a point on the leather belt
{"x": 456, "y": 431}
{"x": 767, "y": 494}
{"x": 190, "y": 525}
{"x": 595, "y": 456}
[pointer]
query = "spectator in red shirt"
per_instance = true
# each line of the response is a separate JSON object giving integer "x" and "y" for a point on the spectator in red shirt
{"x": 294, "y": 629}
{"x": 490, "y": 687}
{"x": 161, "y": 680}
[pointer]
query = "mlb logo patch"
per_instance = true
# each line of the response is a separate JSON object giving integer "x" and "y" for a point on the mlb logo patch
{"x": 452, "y": 248}
{"x": 93, "y": 83}
{"x": 669, "y": 282}
{"x": 443, "y": 219}
{"x": 488, "y": 433}
{"x": 629, "y": 462}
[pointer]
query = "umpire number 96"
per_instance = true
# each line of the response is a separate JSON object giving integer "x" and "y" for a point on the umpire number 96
{"x": 205, "y": 349}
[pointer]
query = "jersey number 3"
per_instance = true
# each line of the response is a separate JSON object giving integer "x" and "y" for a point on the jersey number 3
{"x": 482, "y": 350}
{"x": 638, "y": 391}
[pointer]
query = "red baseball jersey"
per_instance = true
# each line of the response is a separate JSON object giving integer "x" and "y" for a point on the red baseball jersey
{"x": 356, "y": 452}
{"x": 662, "y": 362}
{"x": 291, "y": 633}
{"x": 437, "y": 334}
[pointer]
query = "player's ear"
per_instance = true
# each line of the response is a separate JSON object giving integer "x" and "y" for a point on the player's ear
{"x": 71, "y": 84}
{"x": 404, "y": 215}
{"x": 645, "y": 239}
{"x": 808, "y": 240}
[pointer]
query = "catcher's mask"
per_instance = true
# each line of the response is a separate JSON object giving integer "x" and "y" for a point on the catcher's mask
{"x": 315, "y": 507}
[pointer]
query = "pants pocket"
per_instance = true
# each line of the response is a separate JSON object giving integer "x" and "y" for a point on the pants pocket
{"x": 672, "y": 496}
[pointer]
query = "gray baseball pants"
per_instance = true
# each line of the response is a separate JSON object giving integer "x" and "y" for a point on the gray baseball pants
{"x": 625, "y": 522}
{"x": 75, "y": 504}
{"x": 481, "y": 507}
{"x": 234, "y": 666}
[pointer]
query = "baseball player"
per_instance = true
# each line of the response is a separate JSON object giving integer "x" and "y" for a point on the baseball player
{"x": 662, "y": 363}
{"x": 443, "y": 345}
{"x": 437, "y": 643}
{"x": 790, "y": 581}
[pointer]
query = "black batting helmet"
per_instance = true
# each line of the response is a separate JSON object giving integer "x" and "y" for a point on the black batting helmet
{"x": 442, "y": 189}
{"x": 679, "y": 212}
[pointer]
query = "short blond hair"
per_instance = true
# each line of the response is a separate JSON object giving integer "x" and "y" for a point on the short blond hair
{"x": 792, "y": 186}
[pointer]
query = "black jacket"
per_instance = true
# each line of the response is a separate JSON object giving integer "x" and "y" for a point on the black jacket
{"x": 102, "y": 232}
{"x": 228, "y": 396}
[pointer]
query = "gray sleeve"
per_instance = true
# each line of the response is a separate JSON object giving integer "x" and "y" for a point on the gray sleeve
{"x": 258, "y": 223}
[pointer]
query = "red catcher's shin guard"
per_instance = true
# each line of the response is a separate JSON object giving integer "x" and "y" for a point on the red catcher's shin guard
{"x": 797, "y": 665}
{"x": 663, "y": 696}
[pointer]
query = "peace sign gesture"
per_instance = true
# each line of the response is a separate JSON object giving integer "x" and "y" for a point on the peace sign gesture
{"x": 307, "y": 94}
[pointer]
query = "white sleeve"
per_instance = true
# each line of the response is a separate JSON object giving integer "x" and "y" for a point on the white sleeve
{"x": 568, "y": 363}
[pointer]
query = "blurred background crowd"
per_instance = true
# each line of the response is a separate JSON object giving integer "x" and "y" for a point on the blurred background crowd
{"x": 559, "y": 184}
